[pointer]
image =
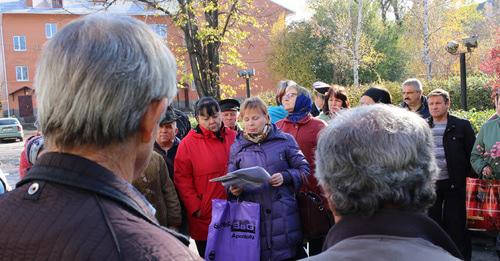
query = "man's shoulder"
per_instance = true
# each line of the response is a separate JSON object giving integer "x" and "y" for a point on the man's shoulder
{"x": 452, "y": 119}
{"x": 141, "y": 241}
{"x": 382, "y": 247}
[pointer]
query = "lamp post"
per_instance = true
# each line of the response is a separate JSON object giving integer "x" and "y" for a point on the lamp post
{"x": 453, "y": 47}
{"x": 247, "y": 74}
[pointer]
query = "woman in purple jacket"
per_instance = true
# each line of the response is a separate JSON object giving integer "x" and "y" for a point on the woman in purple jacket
{"x": 262, "y": 144}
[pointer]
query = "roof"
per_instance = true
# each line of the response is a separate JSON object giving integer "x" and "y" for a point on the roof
{"x": 24, "y": 88}
{"x": 74, "y": 7}
{"x": 86, "y": 7}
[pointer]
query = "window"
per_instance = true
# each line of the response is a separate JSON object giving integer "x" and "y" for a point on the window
{"x": 159, "y": 29}
{"x": 19, "y": 43}
{"x": 21, "y": 73}
{"x": 56, "y": 3}
{"x": 50, "y": 30}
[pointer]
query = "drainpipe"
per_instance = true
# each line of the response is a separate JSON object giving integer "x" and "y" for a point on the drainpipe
{"x": 4, "y": 66}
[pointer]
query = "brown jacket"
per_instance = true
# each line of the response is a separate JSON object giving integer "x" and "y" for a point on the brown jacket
{"x": 70, "y": 208}
{"x": 159, "y": 190}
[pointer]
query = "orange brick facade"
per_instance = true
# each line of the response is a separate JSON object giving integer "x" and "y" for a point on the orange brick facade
{"x": 21, "y": 94}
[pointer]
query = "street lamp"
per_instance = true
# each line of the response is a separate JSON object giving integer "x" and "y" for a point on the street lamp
{"x": 453, "y": 47}
{"x": 248, "y": 73}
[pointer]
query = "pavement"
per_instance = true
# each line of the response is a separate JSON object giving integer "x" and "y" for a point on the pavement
{"x": 483, "y": 244}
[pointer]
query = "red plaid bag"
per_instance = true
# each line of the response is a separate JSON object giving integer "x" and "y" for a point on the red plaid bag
{"x": 482, "y": 201}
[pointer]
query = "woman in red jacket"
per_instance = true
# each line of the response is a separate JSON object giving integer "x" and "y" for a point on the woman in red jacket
{"x": 202, "y": 155}
{"x": 305, "y": 129}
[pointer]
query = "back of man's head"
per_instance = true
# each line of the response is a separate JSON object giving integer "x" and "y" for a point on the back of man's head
{"x": 97, "y": 77}
{"x": 376, "y": 156}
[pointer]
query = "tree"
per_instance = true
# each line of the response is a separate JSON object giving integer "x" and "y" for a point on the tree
{"x": 298, "y": 54}
{"x": 208, "y": 27}
{"x": 346, "y": 23}
{"x": 427, "y": 58}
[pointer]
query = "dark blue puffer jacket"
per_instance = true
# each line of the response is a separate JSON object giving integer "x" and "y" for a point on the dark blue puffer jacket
{"x": 280, "y": 224}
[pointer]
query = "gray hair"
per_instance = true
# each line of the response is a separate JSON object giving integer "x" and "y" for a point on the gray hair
{"x": 415, "y": 83}
{"x": 373, "y": 156}
{"x": 97, "y": 77}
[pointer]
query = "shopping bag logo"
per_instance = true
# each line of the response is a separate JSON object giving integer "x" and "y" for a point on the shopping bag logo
{"x": 245, "y": 226}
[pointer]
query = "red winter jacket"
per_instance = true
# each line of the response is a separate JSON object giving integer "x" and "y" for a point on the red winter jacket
{"x": 306, "y": 133}
{"x": 201, "y": 156}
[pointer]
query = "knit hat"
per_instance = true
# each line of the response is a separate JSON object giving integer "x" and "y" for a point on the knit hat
{"x": 378, "y": 95}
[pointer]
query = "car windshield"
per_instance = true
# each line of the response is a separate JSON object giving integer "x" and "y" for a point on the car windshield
{"x": 8, "y": 122}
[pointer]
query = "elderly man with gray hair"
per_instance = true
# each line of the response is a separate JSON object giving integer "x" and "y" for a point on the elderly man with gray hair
{"x": 414, "y": 98}
{"x": 103, "y": 83}
{"x": 377, "y": 168}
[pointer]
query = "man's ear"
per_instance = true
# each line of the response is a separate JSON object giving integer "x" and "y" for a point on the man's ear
{"x": 150, "y": 120}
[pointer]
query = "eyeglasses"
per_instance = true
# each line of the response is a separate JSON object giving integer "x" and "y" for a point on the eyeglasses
{"x": 289, "y": 95}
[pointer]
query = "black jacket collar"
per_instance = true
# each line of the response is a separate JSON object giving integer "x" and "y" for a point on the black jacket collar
{"x": 391, "y": 222}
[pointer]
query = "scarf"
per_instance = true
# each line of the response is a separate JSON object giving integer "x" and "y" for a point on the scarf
{"x": 258, "y": 137}
{"x": 391, "y": 222}
{"x": 303, "y": 106}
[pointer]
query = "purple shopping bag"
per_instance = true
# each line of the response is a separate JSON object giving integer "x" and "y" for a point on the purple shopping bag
{"x": 234, "y": 231}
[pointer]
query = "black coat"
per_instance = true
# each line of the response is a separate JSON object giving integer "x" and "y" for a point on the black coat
{"x": 458, "y": 140}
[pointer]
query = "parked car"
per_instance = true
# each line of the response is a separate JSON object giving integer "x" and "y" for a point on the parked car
{"x": 10, "y": 128}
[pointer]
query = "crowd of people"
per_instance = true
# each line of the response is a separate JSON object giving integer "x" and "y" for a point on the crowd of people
{"x": 117, "y": 173}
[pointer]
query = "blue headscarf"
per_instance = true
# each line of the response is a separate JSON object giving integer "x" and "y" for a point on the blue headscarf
{"x": 303, "y": 106}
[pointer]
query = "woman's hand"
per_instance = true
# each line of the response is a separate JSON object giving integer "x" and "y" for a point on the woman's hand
{"x": 487, "y": 172}
{"x": 235, "y": 190}
{"x": 276, "y": 180}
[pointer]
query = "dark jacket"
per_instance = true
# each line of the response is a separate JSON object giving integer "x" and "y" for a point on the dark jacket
{"x": 71, "y": 208}
{"x": 389, "y": 234}
{"x": 169, "y": 155}
{"x": 280, "y": 223}
{"x": 423, "y": 111}
{"x": 156, "y": 185}
{"x": 183, "y": 124}
{"x": 458, "y": 140}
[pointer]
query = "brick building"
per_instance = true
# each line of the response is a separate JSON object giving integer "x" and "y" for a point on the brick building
{"x": 25, "y": 25}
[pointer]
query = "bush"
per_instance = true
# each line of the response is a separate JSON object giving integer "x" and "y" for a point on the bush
{"x": 394, "y": 88}
{"x": 478, "y": 91}
{"x": 476, "y": 118}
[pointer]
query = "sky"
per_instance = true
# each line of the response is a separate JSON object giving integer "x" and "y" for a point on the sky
{"x": 298, "y": 6}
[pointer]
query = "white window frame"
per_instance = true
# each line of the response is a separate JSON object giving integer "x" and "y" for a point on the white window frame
{"x": 160, "y": 29}
{"x": 18, "y": 44}
{"x": 50, "y": 30}
{"x": 21, "y": 72}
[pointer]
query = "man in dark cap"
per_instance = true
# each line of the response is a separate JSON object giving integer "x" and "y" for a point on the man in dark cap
{"x": 320, "y": 89}
{"x": 230, "y": 110}
{"x": 376, "y": 95}
{"x": 166, "y": 145}
{"x": 166, "y": 141}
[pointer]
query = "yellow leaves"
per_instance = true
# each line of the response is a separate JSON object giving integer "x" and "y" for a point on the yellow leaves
{"x": 227, "y": 91}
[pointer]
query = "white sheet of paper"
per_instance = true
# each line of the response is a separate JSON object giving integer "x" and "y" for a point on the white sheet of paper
{"x": 247, "y": 177}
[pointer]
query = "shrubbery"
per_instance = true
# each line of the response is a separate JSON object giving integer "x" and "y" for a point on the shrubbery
{"x": 476, "y": 118}
{"x": 478, "y": 93}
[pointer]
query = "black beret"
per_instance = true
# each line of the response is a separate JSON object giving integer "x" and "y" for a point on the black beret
{"x": 229, "y": 105}
{"x": 170, "y": 116}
